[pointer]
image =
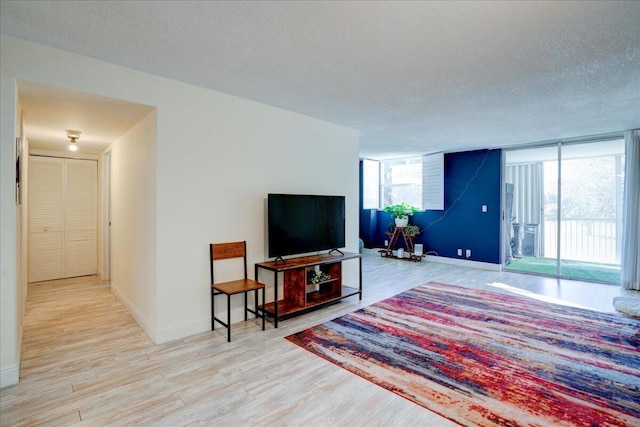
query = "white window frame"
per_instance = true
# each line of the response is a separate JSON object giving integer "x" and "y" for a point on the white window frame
{"x": 370, "y": 184}
{"x": 431, "y": 184}
{"x": 387, "y": 187}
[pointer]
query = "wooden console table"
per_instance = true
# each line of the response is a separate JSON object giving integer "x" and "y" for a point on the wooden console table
{"x": 297, "y": 298}
{"x": 394, "y": 238}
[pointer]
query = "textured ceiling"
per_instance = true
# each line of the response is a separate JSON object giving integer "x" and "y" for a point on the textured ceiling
{"x": 412, "y": 77}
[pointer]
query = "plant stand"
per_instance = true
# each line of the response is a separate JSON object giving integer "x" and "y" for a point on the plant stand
{"x": 394, "y": 238}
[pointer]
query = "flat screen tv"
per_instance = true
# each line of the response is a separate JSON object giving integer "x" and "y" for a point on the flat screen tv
{"x": 299, "y": 224}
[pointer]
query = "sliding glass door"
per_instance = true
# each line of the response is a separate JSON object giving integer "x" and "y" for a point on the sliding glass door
{"x": 591, "y": 205}
{"x": 566, "y": 210}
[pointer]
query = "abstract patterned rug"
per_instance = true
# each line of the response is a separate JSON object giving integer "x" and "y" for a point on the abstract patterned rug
{"x": 488, "y": 359}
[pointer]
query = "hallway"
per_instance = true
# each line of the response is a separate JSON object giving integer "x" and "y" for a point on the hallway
{"x": 73, "y": 330}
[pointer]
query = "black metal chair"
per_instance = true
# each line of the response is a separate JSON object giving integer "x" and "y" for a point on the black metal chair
{"x": 221, "y": 251}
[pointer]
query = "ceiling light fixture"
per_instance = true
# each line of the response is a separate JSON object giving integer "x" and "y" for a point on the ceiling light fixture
{"x": 73, "y": 136}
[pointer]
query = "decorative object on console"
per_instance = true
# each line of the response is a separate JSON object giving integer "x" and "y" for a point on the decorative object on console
{"x": 479, "y": 358}
{"x": 319, "y": 277}
{"x": 401, "y": 213}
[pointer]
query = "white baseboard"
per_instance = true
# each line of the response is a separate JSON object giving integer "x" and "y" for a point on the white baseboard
{"x": 9, "y": 375}
{"x": 202, "y": 325}
{"x": 137, "y": 315}
{"x": 181, "y": 331}
{"x": 465, "y": 263}
{"x": 174, "y": 332}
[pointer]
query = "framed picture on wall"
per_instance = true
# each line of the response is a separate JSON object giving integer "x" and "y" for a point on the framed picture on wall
{"x": 18, "y": 183}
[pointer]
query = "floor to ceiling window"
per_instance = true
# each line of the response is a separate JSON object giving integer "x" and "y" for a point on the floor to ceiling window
{"x": 565, "y": 202}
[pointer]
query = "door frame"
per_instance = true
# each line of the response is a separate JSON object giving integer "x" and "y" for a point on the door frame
{"x": 104, "y": 269}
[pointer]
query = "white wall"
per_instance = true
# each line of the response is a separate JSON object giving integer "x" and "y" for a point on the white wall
{"x": 9, "y": 235}
{"x": 216, "y": 158}
{"x": 133, "y": 221}
{"x": 223, "y": 175}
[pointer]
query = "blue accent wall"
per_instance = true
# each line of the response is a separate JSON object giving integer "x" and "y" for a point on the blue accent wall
{"x": 472, "y": 179}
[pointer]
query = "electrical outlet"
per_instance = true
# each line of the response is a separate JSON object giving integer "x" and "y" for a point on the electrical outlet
{"x": 386, "y": 243}
{"x": 459, "y": 252}
{"x": 484, "y": 208}
{"x": 468, "y": 253}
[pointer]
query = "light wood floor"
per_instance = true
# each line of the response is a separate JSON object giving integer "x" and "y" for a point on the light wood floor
{"x": 86, "y": 361}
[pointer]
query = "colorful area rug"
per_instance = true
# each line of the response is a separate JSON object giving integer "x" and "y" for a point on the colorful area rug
{"x": 488, "y": 359}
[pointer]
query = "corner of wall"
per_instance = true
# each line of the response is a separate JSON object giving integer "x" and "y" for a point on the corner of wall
{"x": 137, "y": 314}
{"x": 183, "y": 330}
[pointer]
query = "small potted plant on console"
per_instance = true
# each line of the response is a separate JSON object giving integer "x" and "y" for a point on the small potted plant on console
{"x": 317, "y": 277}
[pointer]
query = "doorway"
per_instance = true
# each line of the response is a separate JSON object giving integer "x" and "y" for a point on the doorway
{"x": 566, "y": 209}
{"x": 50, "y": 110}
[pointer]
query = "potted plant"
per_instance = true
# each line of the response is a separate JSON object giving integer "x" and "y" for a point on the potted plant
{"x": 317, "y": 277}
{"x": 401, "y": 213}
{"x": 411, "y": 230}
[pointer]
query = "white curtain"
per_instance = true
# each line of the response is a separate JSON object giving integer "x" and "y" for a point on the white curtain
{"x": 631, "y": 221}
{"x": 527, "y": 193}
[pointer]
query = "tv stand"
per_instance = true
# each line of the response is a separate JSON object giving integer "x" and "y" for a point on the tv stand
{"x": 300, "y": 294}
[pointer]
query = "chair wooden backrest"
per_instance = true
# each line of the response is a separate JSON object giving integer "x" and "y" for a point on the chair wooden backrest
{"x": 220, "y": 251}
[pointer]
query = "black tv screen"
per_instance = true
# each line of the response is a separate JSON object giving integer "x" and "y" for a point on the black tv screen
{"x": 299, "y": 224}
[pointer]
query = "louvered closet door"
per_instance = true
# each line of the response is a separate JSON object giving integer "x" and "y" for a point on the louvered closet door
{"x": 46, "y": 219}
{"x": 80, "y": 217}
{"x": 62, "y": 218}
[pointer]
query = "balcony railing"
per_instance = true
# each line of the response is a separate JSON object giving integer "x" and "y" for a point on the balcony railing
{"x": 582, "y": 239}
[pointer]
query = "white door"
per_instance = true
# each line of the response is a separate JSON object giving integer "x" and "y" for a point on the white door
{"x": 46, "y": 218}
{"x": 80, "y": 218}
{"x": 62, "y": 218}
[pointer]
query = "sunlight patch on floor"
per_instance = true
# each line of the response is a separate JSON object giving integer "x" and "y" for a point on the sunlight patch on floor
{"x": 529, "y": 294}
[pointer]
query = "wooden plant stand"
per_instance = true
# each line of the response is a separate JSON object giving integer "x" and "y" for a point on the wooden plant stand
{"x": 394, "y": 239}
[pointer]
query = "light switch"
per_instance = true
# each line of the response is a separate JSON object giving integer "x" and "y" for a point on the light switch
{"x": 484, "y": 208}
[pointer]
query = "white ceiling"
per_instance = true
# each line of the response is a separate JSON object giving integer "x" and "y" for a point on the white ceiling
{"x": 413, "y": 77}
